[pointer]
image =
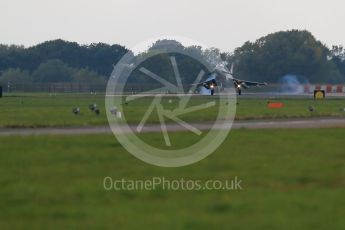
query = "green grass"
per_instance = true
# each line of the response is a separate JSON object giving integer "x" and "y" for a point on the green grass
{"x": 293, "y": 108}
{"x": 292, "y": 179}
{"x": 41, "y": 110}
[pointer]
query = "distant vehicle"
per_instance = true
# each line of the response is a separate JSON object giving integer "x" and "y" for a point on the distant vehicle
{"x": 221, "y": 71}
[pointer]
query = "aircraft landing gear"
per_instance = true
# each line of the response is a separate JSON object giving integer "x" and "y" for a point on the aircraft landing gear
{"x": 212, "y": 92}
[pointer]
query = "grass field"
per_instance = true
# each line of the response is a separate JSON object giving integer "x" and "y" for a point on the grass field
{"x": 292, "y": 179}
{"x": 41, "y": 110}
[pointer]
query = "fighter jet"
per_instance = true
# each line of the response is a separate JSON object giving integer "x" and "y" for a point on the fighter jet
{"x": 221, "y": 71}
{"x": 210, "y": 83}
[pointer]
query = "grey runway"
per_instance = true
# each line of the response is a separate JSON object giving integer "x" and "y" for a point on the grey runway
{"x": 152, "y": 128}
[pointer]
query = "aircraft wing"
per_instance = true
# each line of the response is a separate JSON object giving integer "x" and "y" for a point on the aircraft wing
{"x": 250, "y": 83}
{"x": 209, "y": 83}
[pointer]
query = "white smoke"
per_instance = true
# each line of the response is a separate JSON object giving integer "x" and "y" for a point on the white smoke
{"x": 204, "y": 91}
{"x": 291, "y": 84}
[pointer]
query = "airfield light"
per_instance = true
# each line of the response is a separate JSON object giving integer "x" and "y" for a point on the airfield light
{"x": 76, "y": 111}
{"x": 113, "y": 110}
{"x": 93, "y": 107}
{"x": 311, "y": 109}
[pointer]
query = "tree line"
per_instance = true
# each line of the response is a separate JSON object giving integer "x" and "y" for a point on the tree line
{"x": 293, "y": 52}
{"x": 267, "y": 59}
{"x": 58, "y": 61}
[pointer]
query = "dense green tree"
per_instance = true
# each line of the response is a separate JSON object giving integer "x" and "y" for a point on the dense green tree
{"x": 157, "y": 60}
{"x": 290, "y": 52}
{"x": 15, "y": 76}
{"x": 98, "y": 57}
{"x": 86, "y": 75}
{"x": 338, "y": 58}
{"x": 52, "y": 71}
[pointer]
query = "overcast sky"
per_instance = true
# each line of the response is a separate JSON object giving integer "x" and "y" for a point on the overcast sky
{"x": 221, "y": 23}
